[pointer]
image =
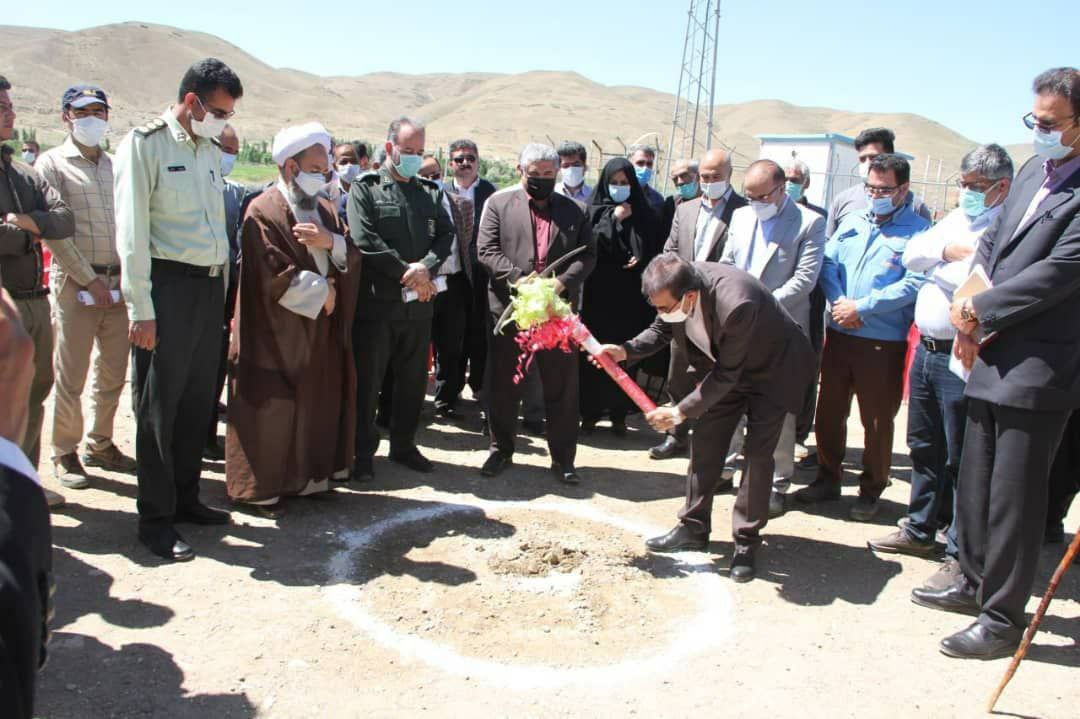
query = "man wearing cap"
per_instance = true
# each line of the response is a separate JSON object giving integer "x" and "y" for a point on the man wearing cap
{"x": 85, "y": 284}
{"x": 174, "y": 251}
{"x": 292, "y": 412}
{"x": 29, "y": 211}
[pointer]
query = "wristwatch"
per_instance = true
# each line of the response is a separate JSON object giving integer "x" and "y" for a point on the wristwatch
{"x": 967, "y": 312}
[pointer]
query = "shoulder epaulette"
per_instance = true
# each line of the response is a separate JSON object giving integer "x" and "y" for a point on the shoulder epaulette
{"x": 151, "y": 127}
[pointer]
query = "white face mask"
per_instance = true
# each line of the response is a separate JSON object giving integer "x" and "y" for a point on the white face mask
{"x": 227, "y": 163}
{"x": 573, "y": 176}
{"x": 348, "y": 172}
{"x": 764, "y": 210}
{"x": 88, "y": 131}
{"x": 714, "y": 190}
{"x": 675, "y": 316}
{"x": 310, "y": 183}
{"x": 208, "y": 127}
{"x": 29, "y": 157}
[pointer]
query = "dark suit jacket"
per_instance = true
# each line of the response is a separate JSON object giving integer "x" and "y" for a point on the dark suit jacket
{"x": 484, "y": 190}
{"x": 508, "y": 253}
{"x": 759, "y": 349}
{"x": 1034, "y": 361}
{"x": 25, "y": 587}
{"x": 684, "y": 228}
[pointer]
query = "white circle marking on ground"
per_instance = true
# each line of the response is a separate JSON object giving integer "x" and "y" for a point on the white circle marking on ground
{"x": 710, "y": 627}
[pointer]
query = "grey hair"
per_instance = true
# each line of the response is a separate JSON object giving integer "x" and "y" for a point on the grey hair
{"x": 394, "y": 132}
{"x": 647, "y": 149}
{"x": 988, "y": 161}
{"x": 803, "y": 169}
{"x": 537, "y": 152}
{"x": 692, "y": 165}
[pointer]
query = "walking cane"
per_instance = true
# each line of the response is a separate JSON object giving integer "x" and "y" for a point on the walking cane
{"x": 1021, "y": 651}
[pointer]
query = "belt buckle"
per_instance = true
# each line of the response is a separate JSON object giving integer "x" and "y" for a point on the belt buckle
{"x": 931, "y": 343}
{"x": 215, "y": 270}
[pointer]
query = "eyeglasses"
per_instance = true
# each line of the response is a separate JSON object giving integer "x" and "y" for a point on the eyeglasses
{"x": 1031, "y": 122}
{"x": 878, "y": 190}
{"x": 762, "y": 198}
{"x": 978, "y": 186}
{"x": 462, "y": 159}
{"x": 219, "y": 114}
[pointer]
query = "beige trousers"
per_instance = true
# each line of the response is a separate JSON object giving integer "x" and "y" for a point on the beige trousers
{"x": 35, "y": 318}
{"x": 79, "y": 329}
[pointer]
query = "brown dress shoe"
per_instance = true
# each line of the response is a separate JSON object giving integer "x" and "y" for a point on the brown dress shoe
{"x": 110, "y": 459}
{"x": 70, "y": 472}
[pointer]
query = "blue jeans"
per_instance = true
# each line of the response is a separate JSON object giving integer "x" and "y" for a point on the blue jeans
{"x": 937, "y": 412}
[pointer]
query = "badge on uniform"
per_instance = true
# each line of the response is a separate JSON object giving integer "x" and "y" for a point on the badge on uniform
{"x": 176, "y": 168}
{"x": 431, "y": 227}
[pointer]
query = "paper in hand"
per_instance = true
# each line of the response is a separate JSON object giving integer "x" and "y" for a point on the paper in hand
{"x": 976, "y": 283}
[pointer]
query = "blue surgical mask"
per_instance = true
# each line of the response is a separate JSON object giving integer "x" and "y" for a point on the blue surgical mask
{"x": 972, "y": 202}
{"x": 688, "y": 191}
{"x": 619, "y": 193}
{"x": 227, "y": 163}
{"x": 793, "y": 190}
{"x": 881, "y": 206}
{"x": 1047, "y": 145}
{"x": 408, "y": 165}
{"x": 644, "y": 175}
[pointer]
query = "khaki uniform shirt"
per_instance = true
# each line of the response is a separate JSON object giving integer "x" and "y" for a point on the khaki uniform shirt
{"x": 87, "y": 188}
{"x": 169, "y": 206}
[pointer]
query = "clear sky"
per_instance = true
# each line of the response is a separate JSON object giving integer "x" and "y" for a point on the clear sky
{"x": 967, "y": 65}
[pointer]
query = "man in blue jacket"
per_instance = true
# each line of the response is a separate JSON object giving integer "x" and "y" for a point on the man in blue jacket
{"x": 872, "y": 299}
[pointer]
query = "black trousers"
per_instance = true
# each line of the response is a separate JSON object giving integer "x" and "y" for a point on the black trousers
{"x": 448, "y": 333}
{"x": 172, "y": 392}
{"x": 1001, "y": 502}
{"x": 403, "y": 345}
{"x": 804, "y": 422}
{"x": 223, "y": 357}
{"x": 1065, "y": 473}
{"x": 559, "y": 376}
{"x": 679, "y": 384}
{"x": 708, "y": 451}
{"x": 477, "y": 329}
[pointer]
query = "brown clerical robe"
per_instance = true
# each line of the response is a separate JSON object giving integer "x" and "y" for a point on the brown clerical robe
{"x": 292, "y": 406}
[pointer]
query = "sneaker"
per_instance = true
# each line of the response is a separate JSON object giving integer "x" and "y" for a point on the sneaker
{"x": 110, "y": 459}
{"x": 53, "y": 499}
{"x": 864, "y": 509}
{"x": 900, "y": 542}
{"x": 945, "y": 576}
{"x": 70, "y": 472}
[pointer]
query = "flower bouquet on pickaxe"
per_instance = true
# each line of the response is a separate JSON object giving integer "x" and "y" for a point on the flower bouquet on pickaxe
{"x": 545, "y": 321}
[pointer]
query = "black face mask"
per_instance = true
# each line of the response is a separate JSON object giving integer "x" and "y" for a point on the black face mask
{"x": 540, "y": 188}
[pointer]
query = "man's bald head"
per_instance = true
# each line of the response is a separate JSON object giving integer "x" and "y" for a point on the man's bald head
{"x": 715, "y": 165}
{"x": 764, "y": 173}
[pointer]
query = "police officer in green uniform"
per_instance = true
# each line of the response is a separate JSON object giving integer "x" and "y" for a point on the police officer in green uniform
{"x": 398, "y": 222}
{"x": 174, "y": 251}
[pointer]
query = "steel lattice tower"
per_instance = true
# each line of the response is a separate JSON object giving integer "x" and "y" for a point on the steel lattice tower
{"x": 692, "y": 124}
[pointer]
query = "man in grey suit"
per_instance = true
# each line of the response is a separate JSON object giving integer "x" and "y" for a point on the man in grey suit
{"x": 525, "y": 229}
{"x": 746, "y": 356}
{"x": 698, "y": 233}
{"x": 1025, "y": 378}
{"x": 781, "y": 243}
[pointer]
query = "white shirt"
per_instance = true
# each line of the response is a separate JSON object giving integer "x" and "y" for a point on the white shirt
{"x": 307, "y": 293}
{"x": 695, "y": 329}
{"x": 923, "y": 253}
{"x": 468, "y": 192}
{"x": 707, "y": 218}
{"x": 582, "y": 193}
{"x": 13, "y": 458}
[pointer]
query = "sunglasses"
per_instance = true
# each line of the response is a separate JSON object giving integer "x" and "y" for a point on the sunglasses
{"x": 462, "y": 159}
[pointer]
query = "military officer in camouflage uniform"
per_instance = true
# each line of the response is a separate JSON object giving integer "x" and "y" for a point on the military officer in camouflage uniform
{"x": 174, "y": 251}
{"x": 398, "y": 222}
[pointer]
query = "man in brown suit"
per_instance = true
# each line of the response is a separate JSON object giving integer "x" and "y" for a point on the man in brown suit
{"x": 698, "y": 234}
{"x": 525, "y": 229}
{"x": 745, "y": 356}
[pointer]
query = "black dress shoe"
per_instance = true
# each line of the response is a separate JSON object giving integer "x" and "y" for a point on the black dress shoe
{"x": 724, "y": 486}
{"x": 213, "y": 452}
{"x": 199, "y": 513}
{"x": 565, "y": 473}
{"x": 777, "y": 505}
{"x": 167, "y": 544}
{"x": 959, "y": 598}
{"x": 447, "y": 412}
{"x": 1055, "y": 533}
{"x": 588, "y": 426}
{"x": 495, "y": 464}
{"x": 413, "y": 460}
{"x": 363, "y": 470}
{"x": 680, "y": 539}
{"x": 978, "y": 642}
{"x": 670, "y": 447}
{"x": 742, "y": 564}
{"x": 618, "y": 427}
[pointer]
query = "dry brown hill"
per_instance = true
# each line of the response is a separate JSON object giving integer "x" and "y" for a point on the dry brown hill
{"x": 140, "y": 65}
